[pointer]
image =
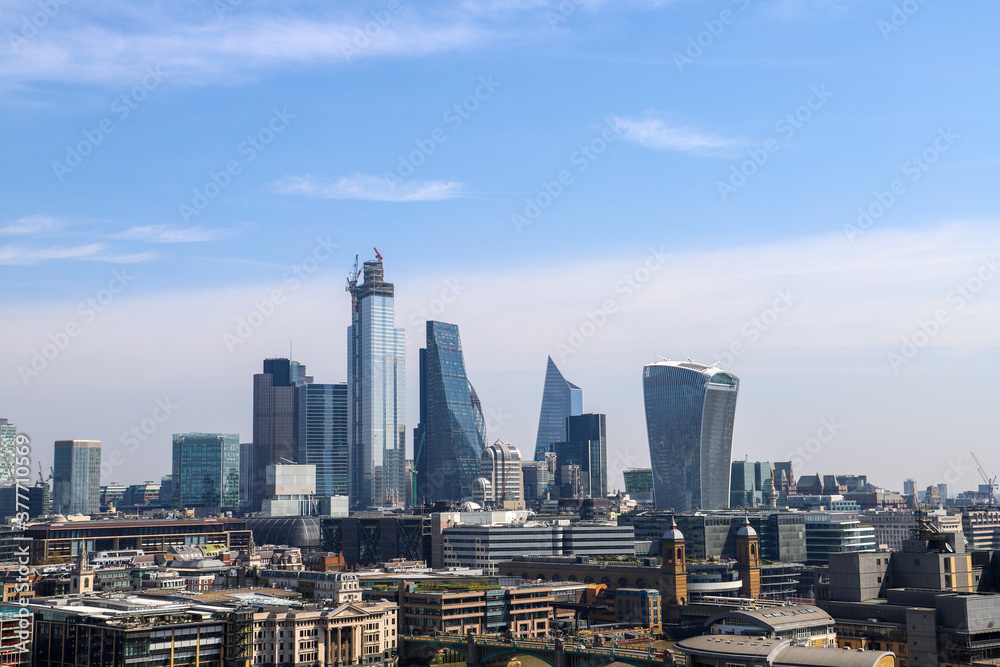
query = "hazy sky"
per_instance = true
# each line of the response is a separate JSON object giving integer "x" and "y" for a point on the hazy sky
{"x": 802, "y": 190}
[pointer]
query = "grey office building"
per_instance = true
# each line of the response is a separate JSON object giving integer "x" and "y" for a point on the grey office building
{"x": 76, "y": 477}
{"x": 586, "y": 446}
{"x": 449, "y": 441}
{"x": 322, "y": 436}
{"x": 376, "y": 393}
{"x": 8, "y": 443}
{"x": 206, "y": 470}
{"x": 560, "y": 399}
{"x": 275, "y": 420}
{"x": 690, "y": 409}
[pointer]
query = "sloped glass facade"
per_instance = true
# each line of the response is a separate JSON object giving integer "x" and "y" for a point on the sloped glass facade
{"x": 690, "y": 410}
{"x": 451, "y": 436}
{"x": 560, "y": 399}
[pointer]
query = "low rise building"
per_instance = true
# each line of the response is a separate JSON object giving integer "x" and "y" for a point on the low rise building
{"x": 475, "y": 606}
{"x": 802, "y": 624}
{"x": 718, "y": 651}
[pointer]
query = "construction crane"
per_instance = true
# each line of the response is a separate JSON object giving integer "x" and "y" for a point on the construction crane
{"x": 991, "y": 482}
{"x": 377, "y": 254}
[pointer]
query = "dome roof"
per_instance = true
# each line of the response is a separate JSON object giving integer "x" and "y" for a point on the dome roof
{"x": 747, "y": 530}
{"x": 673, "y": 533}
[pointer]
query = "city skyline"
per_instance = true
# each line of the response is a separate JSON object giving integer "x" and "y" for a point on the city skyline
{"x": 185, "y": 195}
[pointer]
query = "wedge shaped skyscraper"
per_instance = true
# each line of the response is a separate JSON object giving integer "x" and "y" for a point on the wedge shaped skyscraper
{"x": 690, "y": 409}
{"x": 448, "y": 442}
{"x": 560, "y": 400}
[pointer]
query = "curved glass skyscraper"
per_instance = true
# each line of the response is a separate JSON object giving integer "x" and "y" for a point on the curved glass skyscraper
{"x": 690, "y": 409}
{"x": 449, "y": 441}
{"x": 561, "y": 399}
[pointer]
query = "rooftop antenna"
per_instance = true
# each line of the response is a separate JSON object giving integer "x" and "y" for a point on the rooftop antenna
{"x": 662, "y": 357}
{"x": 688, "y": 358}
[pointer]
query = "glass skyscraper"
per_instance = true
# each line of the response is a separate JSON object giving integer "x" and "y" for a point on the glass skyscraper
{"x": 206, "y": 470}
{"x": 322, "y": 436}
{"x": 275, "y": 420}
{"x": 8, "y": 442}
{"x": 76, "y": 477}
{"x": 449, "y": 441}
{"x": 561, "y": 399}
{"x": 690, "y": 409}
{"x": 586, "y": 446}
{"x": 376, "y": 393}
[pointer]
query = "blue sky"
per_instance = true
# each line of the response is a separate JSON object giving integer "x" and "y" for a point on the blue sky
{"x": 533, "y": 154}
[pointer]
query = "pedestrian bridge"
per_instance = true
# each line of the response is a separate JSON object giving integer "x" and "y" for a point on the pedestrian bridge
{"x": 481, "y": 651}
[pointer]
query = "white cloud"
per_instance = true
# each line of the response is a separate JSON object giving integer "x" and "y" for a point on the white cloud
{"x": 168, "y": 234}
{"x": 30, "y": 225}
{"x": 23, "y": 256}
{"x": 658, "y": 135}
{"x": 369, "y": 188}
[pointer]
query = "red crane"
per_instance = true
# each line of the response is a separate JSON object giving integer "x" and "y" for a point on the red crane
{"x": 377, "y": 254}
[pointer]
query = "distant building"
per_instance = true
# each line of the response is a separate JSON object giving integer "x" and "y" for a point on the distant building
{"x": 639, "y": 607}
{"x": 322, "y": 436}
{"x": 638, "y": 480}
{"x": 501, "y": 469}
{"x": 560, "y": 399}
{"x": 167, "y": 490}
{"x": 586, "y": 446}
{"x": 538, "y": 476}
{"x": 246, "y": 475}
{"x": 275, "y": 420}
{"x": 206, "y": 470}
{"x": 910, "y": 487}
{"x": 690, "y": 409}
{"x": 450, "y": 439}
{"x": 720, "y": 651}
{"x": 112, "y": 493}
{"x": 835, "y": 532}
{"x": 76, "y": 477}
{"x": 981, "y": 528}
{"x": 147, "y": 493}
{"x": 376, "y": 393}
{"x": 752, "y": 485}
{"x": 8, "y": 456}
{"x": 290, "y": 490}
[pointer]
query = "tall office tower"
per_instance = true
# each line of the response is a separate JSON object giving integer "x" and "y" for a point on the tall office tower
{"x": 322, "y": 436}
{"x": 501, "y": 468}
{"x": 246, "y": 476}
{"x": 275, "y": 420}
{"x": 376, "y": 393}
{"x": 449, "y": 441}
{"x": 943, "y": 490}
{"x": 690, "y": 409}
{"x": 8, "y": 445}
{"x": 206, "y": 470}
{"x": 560, "y": 399}
{"x": 586, "y": 445}
{"x": 910, "y": 487}
{"x": 76, "y": 477}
